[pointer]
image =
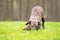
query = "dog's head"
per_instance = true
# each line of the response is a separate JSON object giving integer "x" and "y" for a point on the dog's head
{"x": 34, "y": 25}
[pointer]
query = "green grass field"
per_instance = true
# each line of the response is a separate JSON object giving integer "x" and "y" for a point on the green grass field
{"x": 13, "y": 31}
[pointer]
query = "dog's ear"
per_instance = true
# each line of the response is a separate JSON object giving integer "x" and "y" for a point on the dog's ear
{"x": 38, "y": 23}
{"x": 28, "y": 22}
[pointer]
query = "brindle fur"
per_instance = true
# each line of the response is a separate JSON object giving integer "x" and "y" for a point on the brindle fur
{"x": 36, "y": 24}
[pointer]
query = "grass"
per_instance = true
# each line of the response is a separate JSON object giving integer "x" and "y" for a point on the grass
{"x": 13, "y": 31}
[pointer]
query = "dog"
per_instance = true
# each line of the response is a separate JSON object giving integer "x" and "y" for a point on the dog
{"x": 37, "y": 16}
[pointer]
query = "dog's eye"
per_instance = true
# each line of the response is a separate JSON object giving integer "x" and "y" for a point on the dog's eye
{"x": 32, "y": 26}
{"x": 38, "y": 23}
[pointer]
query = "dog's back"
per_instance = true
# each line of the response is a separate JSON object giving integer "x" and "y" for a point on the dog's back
{"x": 36, "y": 14}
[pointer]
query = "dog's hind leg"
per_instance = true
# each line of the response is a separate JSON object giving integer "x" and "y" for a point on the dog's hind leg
{"x": 43, "y": 21}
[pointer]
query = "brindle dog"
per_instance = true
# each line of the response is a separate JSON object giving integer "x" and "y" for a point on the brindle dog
{"x": 37, "y": 16}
